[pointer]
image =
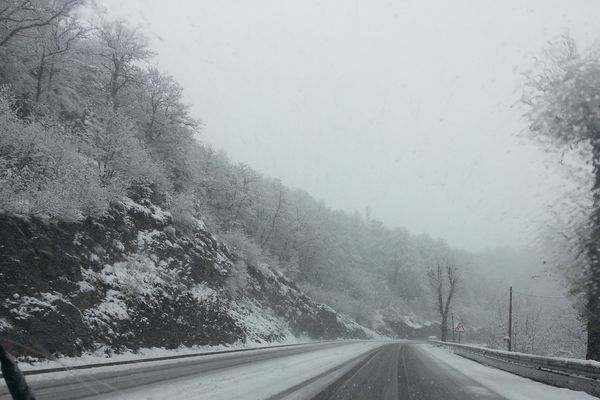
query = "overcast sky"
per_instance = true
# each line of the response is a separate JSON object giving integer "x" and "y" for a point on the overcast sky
{"x": 406, "y": 106}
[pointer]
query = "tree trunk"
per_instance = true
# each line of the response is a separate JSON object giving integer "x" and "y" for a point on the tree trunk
{"x": 593, "y": 339}
{"x": 591, "y": 287}
{"x": 50, "y": 75}
{"x": 40, "y": 77}
{"x": 591, "y": 278}
{"x": 114, "y": 84}
{"x": 444, "y": 328}
{"x": 266, "y": 239}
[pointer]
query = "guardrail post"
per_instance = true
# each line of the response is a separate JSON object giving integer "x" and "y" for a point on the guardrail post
{"x": 510, "y": 320}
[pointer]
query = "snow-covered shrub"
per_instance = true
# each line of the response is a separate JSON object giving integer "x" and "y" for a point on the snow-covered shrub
{"x": 182, "y": 208}
{"x": 237, "y": 281}
{"x": 41, "y": 171}
{"x": 248, "y": 252}
{"x": 244, "y": 247}
{"x": 44, "y": 169}
{"x": 118, "y": 153}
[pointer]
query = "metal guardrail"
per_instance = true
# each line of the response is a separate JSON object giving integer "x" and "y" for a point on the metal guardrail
{"x": 161, "y": 358}
{"x": 572, "y": 374}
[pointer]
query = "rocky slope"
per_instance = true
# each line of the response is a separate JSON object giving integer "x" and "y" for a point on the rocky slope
{"x": 131, "y": 279}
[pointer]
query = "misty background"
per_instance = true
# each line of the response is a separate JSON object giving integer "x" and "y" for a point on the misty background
{"x": 409, "y": 108}
{"x": 344, "y": 154}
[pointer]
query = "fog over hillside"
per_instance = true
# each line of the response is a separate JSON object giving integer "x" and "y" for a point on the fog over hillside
{"x": 409, "y": 108}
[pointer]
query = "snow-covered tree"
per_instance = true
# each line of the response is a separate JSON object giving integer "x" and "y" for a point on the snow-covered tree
{"x": 443, "y": 279}
{"x": 120, "y": 50}
{"x": 564, "y": 109}
{"x": 18, "y": 17}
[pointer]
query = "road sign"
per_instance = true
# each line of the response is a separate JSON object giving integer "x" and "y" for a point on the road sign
{"x": 460, "y": 327}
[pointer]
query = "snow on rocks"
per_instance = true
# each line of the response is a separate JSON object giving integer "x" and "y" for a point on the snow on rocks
{"x": 5, "y": 325}
{"x": 202, "y": 293}
{"x": 129, "y": 279}
{"x": 26, "y": 306}
{"x": 260, "y": 324}
{"x": 147, "y": 209}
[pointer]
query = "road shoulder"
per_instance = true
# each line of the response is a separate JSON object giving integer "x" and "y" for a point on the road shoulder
{"x": 508, "y": 385}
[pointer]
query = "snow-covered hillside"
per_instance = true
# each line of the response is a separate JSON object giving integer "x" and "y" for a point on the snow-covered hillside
{"x": 131, "y": 279}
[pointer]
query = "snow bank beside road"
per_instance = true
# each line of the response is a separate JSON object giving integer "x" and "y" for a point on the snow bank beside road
{"x": 510, "y": 386}
{"x": 100, "y": 356}
{"x": 258, "y": 380}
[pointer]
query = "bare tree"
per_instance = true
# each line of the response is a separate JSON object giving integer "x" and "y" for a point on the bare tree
{"x": 437, "y": 277}
{"x": 53, "y": 42}
{"x": 19, "y": 16}
{"x": 122, "y": 49}
{"x": 265, "y": 236}
{"x": 161, "y": 103}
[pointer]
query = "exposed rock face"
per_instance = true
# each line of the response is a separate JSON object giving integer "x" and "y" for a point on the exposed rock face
{"x": 130, "y": 279}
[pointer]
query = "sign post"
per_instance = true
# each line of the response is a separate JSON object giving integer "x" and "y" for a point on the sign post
{"x": 506, "y": 339}
{"x": 510, "y": 321}
{"x": 453, "y": 329}
{"x": 460, "y": 328}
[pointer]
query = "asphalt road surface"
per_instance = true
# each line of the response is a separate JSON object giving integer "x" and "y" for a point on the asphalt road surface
{"x": 390, "y": 371}
{"x": 405, "y": 372}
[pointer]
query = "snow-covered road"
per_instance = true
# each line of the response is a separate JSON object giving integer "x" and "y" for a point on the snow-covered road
{"x": 335, "y": 370}
{"x": 254, "y": 374}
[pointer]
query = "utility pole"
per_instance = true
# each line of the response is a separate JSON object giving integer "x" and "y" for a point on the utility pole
{"x": 453, "y": 340}
{"x": 510, "y": 320}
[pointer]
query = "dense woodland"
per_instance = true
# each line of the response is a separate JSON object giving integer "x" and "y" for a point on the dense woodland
{"x": 85, "y": 114}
